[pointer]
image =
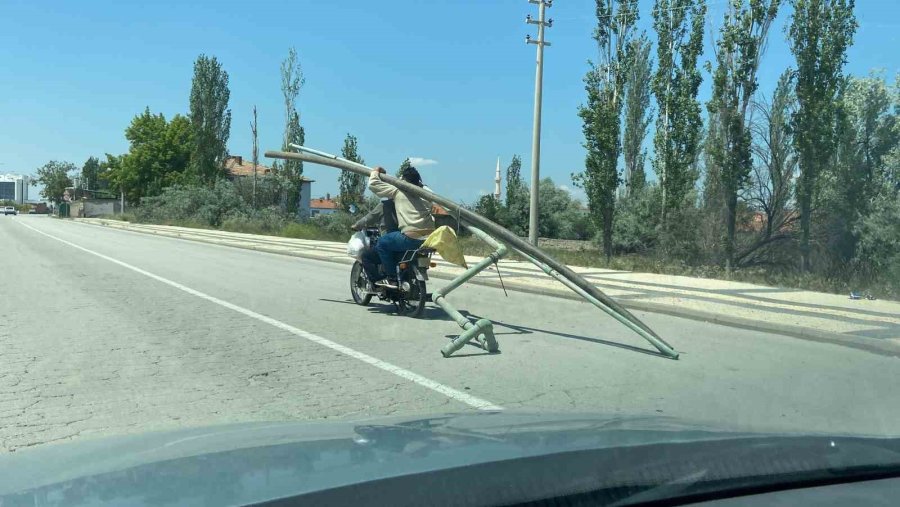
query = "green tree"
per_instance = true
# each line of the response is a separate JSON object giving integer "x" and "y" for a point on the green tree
{"x": 679, "y": 28}
{"x": 109, "y": 169}
{"x": 605, "y": 83}
{"x": 891, "y": 170}
{"x": 737, "y": 53}
{"x": 489, "y": 207}
{"x": 556, "y": 211}
{"x": 712, "y": 200}
{"x": 352, "y": 186}
{"x": 869, "y": 103}
{"x": 55, "y": 177}
{"x": 109, "y": 166}
{"x": 159, "y": 154}
{"x": 575, "y": 223}
{"x": 864, "y": 135}
{"x": 517, "y": 198}
{"x": 210, "y": 119}
{"x": 819, "y": 35}
{"x": 406, "y": 163}
{"x": 291, "y": 171}
{"x": 637, "y": 113}
{"x": 90, "y": 174}
{"x": 878, "y": 251}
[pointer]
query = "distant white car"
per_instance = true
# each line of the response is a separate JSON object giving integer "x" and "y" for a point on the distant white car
{"x": 9, "y": 210}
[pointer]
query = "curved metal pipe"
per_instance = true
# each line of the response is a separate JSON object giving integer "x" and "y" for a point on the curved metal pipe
{"x": 501, "y": 233}
{"x": 480, "y": 327}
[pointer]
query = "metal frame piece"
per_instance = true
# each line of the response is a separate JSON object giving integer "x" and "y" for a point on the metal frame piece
{"x": 534, "y": 254}
{"x": 481, "y": 327}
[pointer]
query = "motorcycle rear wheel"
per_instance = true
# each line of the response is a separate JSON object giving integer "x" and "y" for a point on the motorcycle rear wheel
{"x": 412, "y": 302}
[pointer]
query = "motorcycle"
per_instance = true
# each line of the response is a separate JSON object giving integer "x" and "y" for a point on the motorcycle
{"x": 410, "y": 295}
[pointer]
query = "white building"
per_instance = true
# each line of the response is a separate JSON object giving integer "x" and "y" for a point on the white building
{"x": 14, "y": 187}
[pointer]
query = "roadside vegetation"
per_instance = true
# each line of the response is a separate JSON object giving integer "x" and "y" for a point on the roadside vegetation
{"x": 222, "y": 207}
{"x": 794, "y": 186}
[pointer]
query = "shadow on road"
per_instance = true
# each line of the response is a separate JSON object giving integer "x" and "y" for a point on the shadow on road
{"x": 380, "y": 307}
{"x": 520, "y": 330}
{"x": 473, "y": 345}
{"x": 436, "y": 313}
{"x": 345, "y": 301}
{"x": 475, "y": 354}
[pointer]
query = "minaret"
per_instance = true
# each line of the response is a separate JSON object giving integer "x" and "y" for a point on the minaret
{"x": 497, "y": 181}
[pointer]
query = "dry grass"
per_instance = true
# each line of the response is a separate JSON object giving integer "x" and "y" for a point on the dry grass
{"x": 649, "y": 263}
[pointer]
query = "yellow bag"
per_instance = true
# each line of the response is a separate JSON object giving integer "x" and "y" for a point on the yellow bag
{"x": 444, "y": 240}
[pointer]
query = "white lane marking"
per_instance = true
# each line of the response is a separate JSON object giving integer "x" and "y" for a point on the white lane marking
{"x": 378, "y": 363}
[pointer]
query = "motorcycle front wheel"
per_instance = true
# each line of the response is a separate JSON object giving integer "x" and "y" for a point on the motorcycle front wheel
{"x": 358, "y": 285}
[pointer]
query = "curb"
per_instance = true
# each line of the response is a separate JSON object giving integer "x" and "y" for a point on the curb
{"x": 872, "y": 345}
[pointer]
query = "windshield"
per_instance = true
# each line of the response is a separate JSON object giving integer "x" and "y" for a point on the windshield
{"x": 218, "y": 212}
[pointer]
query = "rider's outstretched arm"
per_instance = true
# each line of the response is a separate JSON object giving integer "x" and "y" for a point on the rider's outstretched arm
{"x": 381, "y": 188}
{"x": 372, "y": 219}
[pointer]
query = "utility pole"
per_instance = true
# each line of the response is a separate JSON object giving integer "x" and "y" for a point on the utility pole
{"x": 536, "y": 133}
{"x": 497, "y": 181}
{"x": 255, "y": 155}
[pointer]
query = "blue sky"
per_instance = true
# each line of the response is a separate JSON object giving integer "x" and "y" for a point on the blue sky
{"x": 449, "y": 81}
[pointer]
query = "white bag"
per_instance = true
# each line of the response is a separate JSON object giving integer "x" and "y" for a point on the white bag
{"x": 357, "y": 244}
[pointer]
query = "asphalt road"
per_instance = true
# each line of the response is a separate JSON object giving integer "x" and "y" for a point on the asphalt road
{"x": 105, "y": 332}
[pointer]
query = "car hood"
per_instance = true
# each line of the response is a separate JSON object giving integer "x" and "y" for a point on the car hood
{"x": 246, "y": 463}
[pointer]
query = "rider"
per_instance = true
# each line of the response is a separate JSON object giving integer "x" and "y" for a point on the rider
{"x": 413, "y": 217}
{"x": 382, "y": 216}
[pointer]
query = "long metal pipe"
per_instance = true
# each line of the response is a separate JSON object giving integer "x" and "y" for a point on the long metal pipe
{"x": 657, "y": 342}
{"x": 505, "y": 236}
{"x": 498, "y": 253}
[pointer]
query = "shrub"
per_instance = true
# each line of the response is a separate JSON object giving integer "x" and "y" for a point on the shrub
{"x": 122, "y": 217}
{"x": 877, "y": 258}
{"x": 575, "y": 223}
{"x": 269, "y": 191}
{"x": 202, "y": 204}
{"x": 336, "y": 226}
{"x": 637, "y": 218}
{"x": 680, "y": 240}
{"x": 264, "y": 221}
{"x": 300, "y": 230}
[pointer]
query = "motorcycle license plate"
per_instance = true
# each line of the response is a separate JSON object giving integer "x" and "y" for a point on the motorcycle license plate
{"x": 424, "y": 262}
